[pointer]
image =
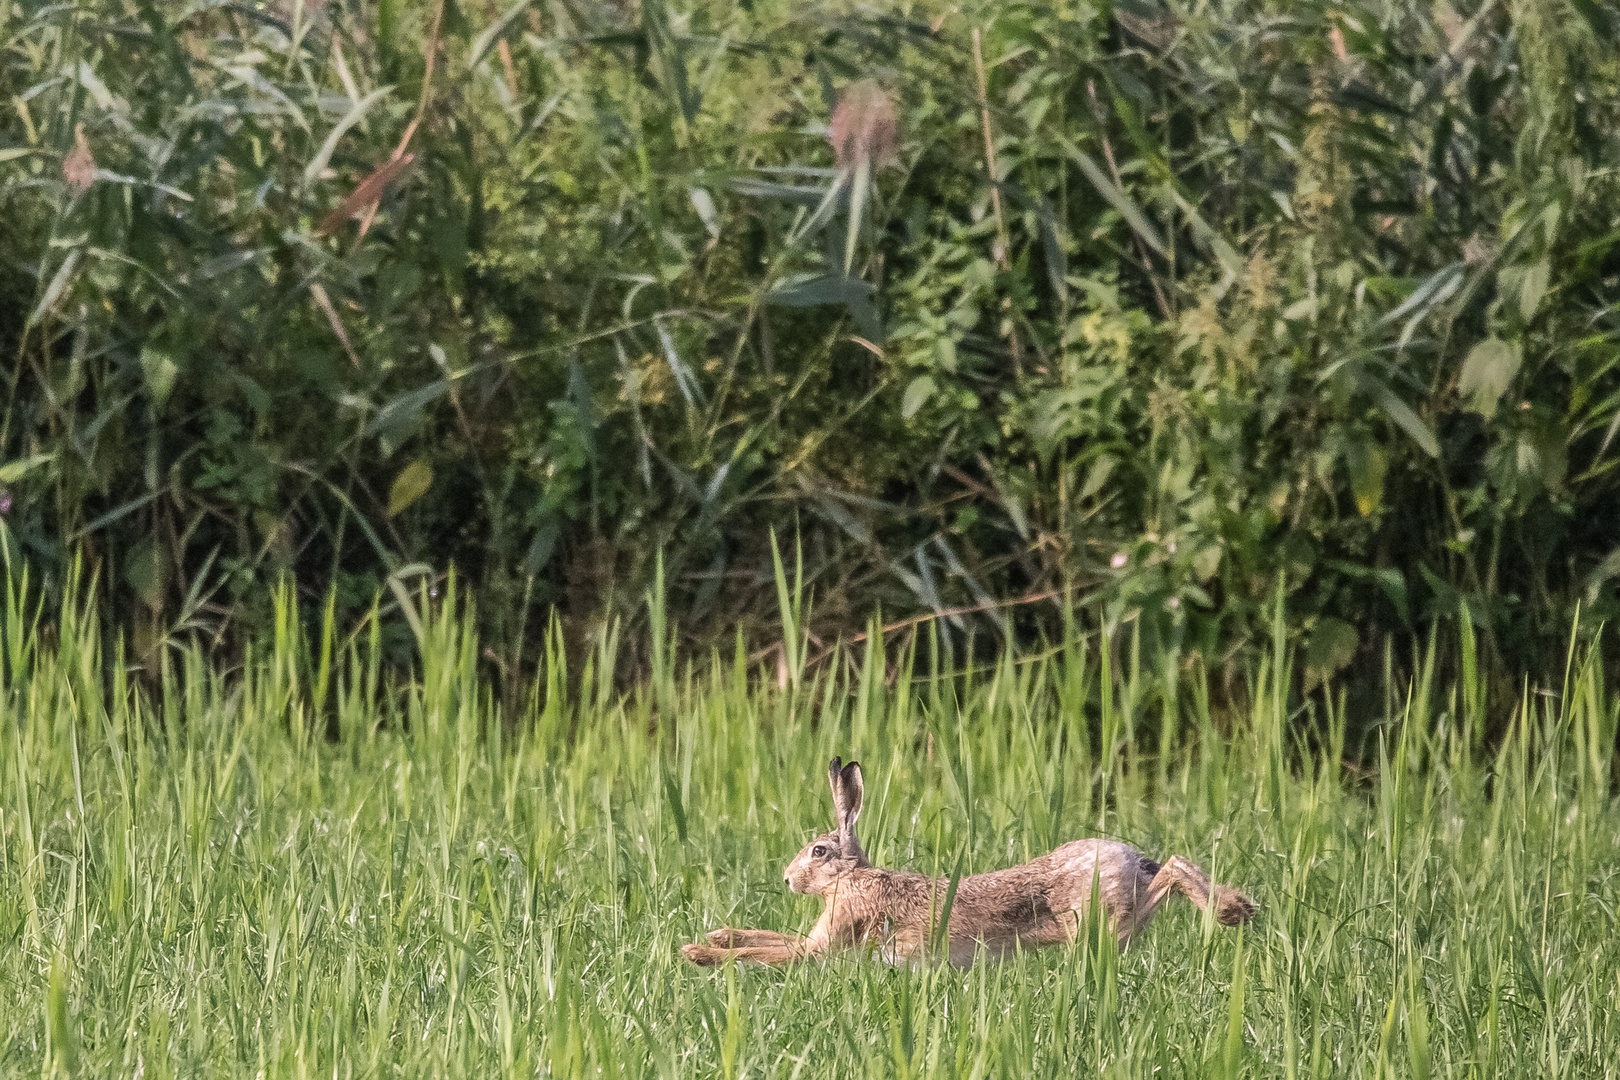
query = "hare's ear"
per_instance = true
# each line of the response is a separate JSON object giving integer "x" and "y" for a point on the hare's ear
{"x": 851, "y": 790}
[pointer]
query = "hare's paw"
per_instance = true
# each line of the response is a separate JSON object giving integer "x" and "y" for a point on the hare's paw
{"x": 723, "y": 938}
{"x": 1232, "y": 908}
{"x": 703, "y": 955}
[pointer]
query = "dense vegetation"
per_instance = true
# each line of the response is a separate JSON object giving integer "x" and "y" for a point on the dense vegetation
{"x": 193, "y": 883}
{"x": 1144, "y": 307}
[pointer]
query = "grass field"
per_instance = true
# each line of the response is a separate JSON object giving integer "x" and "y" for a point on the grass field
{"x": 299, "y": 868}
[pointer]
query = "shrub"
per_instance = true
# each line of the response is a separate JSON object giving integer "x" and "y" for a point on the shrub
{"x": 1156, "y": 307}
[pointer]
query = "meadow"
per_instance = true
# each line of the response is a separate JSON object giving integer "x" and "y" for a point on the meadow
{"x": 307, "y": 866}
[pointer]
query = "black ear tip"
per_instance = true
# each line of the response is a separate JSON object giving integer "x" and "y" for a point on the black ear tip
{"x": 837, "y": 765}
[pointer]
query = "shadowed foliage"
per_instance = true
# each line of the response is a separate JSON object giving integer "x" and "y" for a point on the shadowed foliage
{"x": 1141, "y": 307}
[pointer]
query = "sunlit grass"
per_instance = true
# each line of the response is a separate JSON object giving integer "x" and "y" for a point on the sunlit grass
{"x": 303, "y": 867}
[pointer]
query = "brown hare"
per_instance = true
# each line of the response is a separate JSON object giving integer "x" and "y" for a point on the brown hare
{"x": 1042, "y": 902}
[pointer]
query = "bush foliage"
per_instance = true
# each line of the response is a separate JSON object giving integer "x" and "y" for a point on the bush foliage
{"x": 1148, "y": 307}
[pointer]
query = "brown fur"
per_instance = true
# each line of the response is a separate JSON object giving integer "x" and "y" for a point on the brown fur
{"x": 1042, "y": 902}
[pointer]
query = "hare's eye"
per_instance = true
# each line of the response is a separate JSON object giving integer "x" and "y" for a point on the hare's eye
{"x": 818, "y": 851}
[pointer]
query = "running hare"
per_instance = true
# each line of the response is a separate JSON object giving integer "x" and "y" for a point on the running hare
{"x": 1042, "y": 902}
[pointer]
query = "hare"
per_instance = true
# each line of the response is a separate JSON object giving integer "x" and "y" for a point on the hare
{"x": 1042, "y": 902}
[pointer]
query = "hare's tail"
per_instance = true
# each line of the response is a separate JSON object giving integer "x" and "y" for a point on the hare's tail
{"x": 1232, "y": 908}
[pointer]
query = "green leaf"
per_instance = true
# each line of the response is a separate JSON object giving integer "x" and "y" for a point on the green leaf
{"x": 916, "y": 396}
{"x": 13, "y": 471}
{"x": 1052, "y": 246}
{"x": 1542, "y": 454}
{"x": 1490, "y": 367}
{"x": 541, "y": 547}
{"x": 1120, "y": 201}
{"x": 486, "y": 40}
{"x": 770, "y": 189}
{"x": 356, "y": 113}
{"x": 666, "y": 59}
{"x": 1533, "y": 288}
{"x": 672, "y": 799}
{"x": 397, "y": 420}
{"x": 1097, "y": 476}
{"x": 1332, "y": 646}
{"x": 1433, "y": 291}
{"x": 1393, "y": 582}
{"x": 703, "y": 203}
{"x": 1300, "y": 310}
{"x": 1597, "y": 16}
{"x": 1401, "y": 413}
{"x": 857, "y": 205}
{"x": 411, "y": 484}
{"x": 823, "y": 212}
{"x": 1438, "y": 285}
{"x": 813, "y": 290}
{"x": 407, "y": 607}
{"x": 1367, "y": 463}
{"x": 159, "y": 369}
{"x": 147, "y": 572}
{"x": 97, "y": 89}
{"x": 388, "y": 22}
{"x": 63, "y": 1039}
{"x": 58, "y": 285}
{"x": 1231, "y": 262}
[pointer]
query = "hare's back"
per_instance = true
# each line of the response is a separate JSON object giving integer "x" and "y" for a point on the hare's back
{"x": 1024, "y": 897}
{"x": 1044, "y": 901}
{"x": 1119, "y": 870}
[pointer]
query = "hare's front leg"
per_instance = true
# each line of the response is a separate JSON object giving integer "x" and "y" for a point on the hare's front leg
{"x": 757, "y": 946}
{"x": 712, "y": 956}
{"x": 727, "y": 938}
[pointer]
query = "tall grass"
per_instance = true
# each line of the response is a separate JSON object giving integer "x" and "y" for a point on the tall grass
{"x": 304, "y": 867}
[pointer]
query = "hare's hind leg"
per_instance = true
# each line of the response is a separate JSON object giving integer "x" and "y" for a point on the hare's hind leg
{"x": 1232, "y": 908}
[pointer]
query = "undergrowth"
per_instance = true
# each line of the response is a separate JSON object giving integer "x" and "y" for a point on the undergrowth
{"x": 1131, "y": 303}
